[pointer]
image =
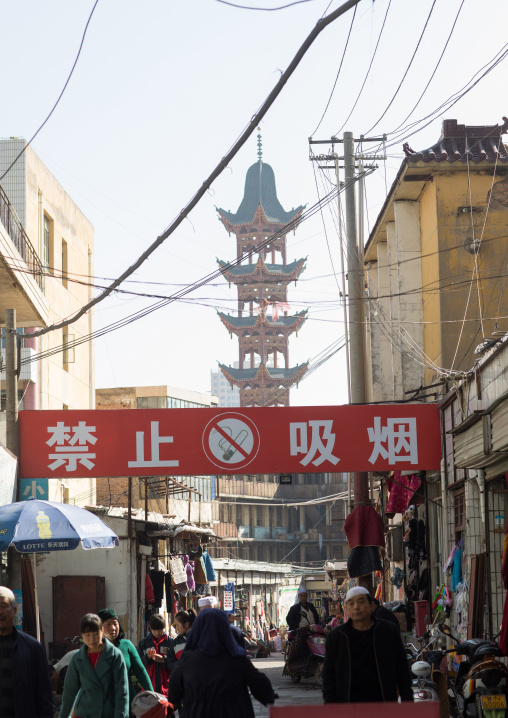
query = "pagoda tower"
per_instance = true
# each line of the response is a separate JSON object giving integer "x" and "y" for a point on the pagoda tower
{"x": 261, "y": 274}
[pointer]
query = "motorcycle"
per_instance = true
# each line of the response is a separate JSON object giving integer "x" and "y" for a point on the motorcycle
{"x": 481, "y": 683}
{"x": 311, "y": 665}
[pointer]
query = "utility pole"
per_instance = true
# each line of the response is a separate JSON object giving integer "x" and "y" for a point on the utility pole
{"x": 11, "y": 382}
{"x": 356, "y": 290}
{"x": 355, "y": 293}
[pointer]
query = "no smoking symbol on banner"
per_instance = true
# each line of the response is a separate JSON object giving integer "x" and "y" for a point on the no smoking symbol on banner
{"x": 231, "y": 440}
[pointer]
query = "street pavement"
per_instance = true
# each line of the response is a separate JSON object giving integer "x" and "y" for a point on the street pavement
{"x": 290, "y": 694}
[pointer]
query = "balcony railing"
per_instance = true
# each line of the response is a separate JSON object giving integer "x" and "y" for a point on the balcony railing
{"x": 19, "y": 237}
{"x": 279, "y": 533}
{"x": 269, "y": 490}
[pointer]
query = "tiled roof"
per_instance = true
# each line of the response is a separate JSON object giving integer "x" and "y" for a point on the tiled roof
{"x": 260, "y": 190}
{"x": 247, "y": 374}
{"x": 463, "y": 143}
{"x": 249, "y": 321}
{"x": 242, "y": 270}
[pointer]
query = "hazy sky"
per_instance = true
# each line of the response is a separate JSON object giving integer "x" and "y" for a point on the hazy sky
{"x": 161, "y": 91}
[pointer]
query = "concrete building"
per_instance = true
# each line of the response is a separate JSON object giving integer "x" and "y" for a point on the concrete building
{"x": 46, "y": 256}
{"x": 256, "y": 520}
{"x": 228, "y": 395}
{"x": 435, "y": 304}
{"x": 435, "y": 237}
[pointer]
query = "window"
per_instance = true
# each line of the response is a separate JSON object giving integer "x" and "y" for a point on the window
{"x": 68, "y": 352}
{"x": 19, "y": 331}
{"x": 48, "y": 254}
{"x": 459, "y": 505}
{"x": 65, "y": 266}
{"x": 3, "y": 399}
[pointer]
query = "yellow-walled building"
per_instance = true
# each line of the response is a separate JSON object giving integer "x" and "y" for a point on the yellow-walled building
{"x": 436, "y": 263}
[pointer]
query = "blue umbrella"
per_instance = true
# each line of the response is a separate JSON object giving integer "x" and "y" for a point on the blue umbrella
{"x": 36, "y": 526}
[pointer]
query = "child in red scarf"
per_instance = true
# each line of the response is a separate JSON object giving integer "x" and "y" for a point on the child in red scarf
{"x": 153, "y": 650}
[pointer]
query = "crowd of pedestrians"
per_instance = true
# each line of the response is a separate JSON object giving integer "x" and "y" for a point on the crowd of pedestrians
{"x": 205, "y": 672}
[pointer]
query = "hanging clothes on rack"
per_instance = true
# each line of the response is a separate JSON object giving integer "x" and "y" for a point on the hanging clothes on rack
{"x": 178, "y": 573}
{"x": 202, "y": 586}
{"x": 189, "y": 569}
{"x": 209, "y": 569}
{"x": 402, "y": 490}
{"x": 157, "y": 579}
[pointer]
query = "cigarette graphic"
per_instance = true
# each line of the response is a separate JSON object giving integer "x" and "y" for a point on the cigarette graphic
{"x": 227, "y": 448}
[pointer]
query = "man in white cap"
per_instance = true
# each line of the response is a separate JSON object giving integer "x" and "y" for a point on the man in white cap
{"x": 25, "y": 689}
{"x": 302, "y": 613}
{"x": 365, "y": 660}
{"x": 207, "y": 602}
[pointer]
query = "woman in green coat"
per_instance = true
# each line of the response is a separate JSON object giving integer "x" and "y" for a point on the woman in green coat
{"x": 96, "y": 682}
{"x": 135, "y": 669}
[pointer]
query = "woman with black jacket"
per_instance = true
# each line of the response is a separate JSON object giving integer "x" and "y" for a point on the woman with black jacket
{"x": 213, "y": 677}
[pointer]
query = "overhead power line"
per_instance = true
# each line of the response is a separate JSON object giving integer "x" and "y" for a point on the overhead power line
{"x": 368, "y": 71}
{"x": 59, "y": 96}
{"x": 407, "y": 69}
{"x": 179, "y": 294}
{"x": 254, "y": 122}
{"x": 338, "y": 73}
{"x": 266, "y": 9}
{"x": 435, "y": 68}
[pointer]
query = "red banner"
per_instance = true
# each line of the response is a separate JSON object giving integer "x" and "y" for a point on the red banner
{"x": 185, "y": 442}
{"x": 425, "y": 709}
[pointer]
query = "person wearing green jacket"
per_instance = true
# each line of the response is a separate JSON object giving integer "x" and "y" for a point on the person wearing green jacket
{"x": 135, "y": 668}
{"x": 96, "y": 683}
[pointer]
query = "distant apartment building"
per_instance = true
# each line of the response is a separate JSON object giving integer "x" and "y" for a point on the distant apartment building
{"x": 46, "y": 258}
{"x": 260, "y": 519}
{"x": 160, "y": 494}
{"x": 220, "y": 386}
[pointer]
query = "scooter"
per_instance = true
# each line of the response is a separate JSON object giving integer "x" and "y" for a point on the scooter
{"x": 481, "y": 683}
{"x": 423, "y": 688}
{"x": 315, "y": 637}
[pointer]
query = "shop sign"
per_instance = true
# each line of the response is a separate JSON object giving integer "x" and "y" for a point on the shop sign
{"x": 183, "y": 442}
{"x": 229, "y": 597}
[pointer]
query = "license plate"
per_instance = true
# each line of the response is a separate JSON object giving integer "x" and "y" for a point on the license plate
{"x": 491, "y": 703}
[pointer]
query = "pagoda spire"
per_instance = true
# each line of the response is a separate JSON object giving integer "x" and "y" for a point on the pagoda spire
{"x": 264, "y": 374}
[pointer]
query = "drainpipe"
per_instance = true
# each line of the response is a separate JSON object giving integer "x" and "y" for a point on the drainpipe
{"x": 480, "y": 480}
{"x": 444, "y": 501}
{"x": 145, "y": 552}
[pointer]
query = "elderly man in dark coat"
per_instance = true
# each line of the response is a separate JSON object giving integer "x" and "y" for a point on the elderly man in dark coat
{"x": 25, "y": 688}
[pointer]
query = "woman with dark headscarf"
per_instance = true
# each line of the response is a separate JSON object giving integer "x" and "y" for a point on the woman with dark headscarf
{"x": 213, "y": 676}
{"x": 135, "y": 669}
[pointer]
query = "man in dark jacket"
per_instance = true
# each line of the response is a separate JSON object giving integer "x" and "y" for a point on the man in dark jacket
{"x": 302, "y": 613}
{"x": 365, "y": 660}
{"x": 384, "y": 614}
{"x": 25, "y": 688}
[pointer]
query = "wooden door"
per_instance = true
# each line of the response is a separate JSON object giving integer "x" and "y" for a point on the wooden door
{"x": 73, "y": 596}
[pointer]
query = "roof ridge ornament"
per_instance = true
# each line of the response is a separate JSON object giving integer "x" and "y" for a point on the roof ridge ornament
{"x": 260, "y": 145}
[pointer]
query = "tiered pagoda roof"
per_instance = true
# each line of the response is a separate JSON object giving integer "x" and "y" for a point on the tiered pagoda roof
{"x": 262, "y": 271}
{"x": 264, "y": 376}
{"x": 261, "y": 323}
{"x": 260, "y": 226}
{"x": 259, "y": 192}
